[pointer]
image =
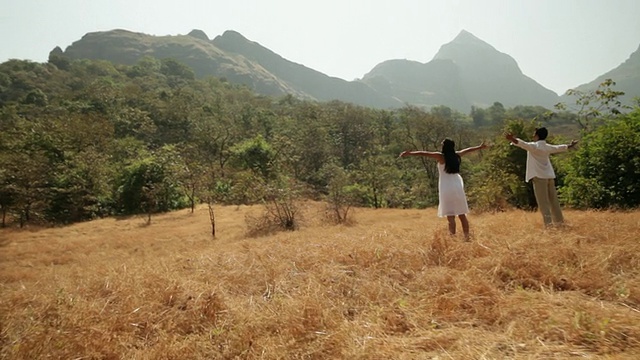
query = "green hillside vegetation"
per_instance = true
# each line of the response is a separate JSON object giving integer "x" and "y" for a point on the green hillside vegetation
{"x": 83, "y": 139}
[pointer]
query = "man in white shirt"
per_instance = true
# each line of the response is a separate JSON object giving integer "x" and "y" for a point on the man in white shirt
{"x": 540, "y": 170}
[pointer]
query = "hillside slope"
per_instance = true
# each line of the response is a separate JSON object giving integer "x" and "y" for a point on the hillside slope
{"x": 229, "y": 56}
{"x": 626, "y": 77}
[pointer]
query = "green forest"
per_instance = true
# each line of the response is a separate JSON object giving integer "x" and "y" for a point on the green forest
{"x": 85, "y": 139}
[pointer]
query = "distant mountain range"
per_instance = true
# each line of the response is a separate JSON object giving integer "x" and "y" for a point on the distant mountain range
{"x": 465, "y": 72}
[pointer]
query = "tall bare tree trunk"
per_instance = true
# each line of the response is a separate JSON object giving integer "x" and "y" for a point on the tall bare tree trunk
{"x": 212, "y": 218}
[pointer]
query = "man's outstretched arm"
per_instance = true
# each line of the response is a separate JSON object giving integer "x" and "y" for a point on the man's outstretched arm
{"x": 564, "y": 147}
{"x": 519, "y": 142}
{"x": 511, "y": 138}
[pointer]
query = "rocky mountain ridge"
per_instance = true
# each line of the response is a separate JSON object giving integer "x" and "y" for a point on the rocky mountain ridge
{"x": 465, "y": 72}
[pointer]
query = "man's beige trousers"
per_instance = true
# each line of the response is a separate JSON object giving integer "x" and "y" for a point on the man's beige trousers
{"x": 547, "y": 198}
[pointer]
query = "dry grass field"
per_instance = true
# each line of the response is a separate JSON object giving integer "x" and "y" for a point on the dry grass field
{"x": 392, "y": 285}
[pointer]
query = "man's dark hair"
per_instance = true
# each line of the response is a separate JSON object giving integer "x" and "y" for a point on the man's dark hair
{"x": 542, "y": 133}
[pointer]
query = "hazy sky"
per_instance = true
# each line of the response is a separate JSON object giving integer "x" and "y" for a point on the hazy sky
{"x": 559, "y": 43}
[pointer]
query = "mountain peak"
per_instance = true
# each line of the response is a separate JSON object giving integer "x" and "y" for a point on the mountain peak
{"x": 481, "y": 64}
{"x": 232, "y": 35}
{"x": 464, "y": 35}
{"x": 466, "y": 38}
{"x": 233, "y": 41}
{"x": 199, "y": 34}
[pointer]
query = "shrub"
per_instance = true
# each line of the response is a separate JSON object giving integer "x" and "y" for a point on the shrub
{"x": 147, "y": 186}
{"x": 498, "y": 181}
{"x": 605, "y": 169}
{"x": 341, "y": 197}
{"x": 281, "y": 209}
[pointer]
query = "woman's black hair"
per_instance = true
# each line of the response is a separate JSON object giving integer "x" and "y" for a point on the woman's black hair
{"x": 451, "y": 159}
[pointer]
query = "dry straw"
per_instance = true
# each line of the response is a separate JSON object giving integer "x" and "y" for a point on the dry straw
{"x": 391, "y": 285}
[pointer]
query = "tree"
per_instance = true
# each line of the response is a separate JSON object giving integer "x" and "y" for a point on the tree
{"x": 496, "y": 113}
{"x": 350, "y": 132}
{"x": 190, "y": 172}
{"x": 605, "y": 169}
{"x": 80, "y": 187}
{"x": 305, "y": 141}
{"x": 256, "y": 155}
{"x": 214, "y": 133}
{"x": 498, "y": 181}
{"x": 146, "y": 66}
{"x": 525, "y": 112}
{"x": 592, "y": 106}
{"x": 25, "y": 183}
{"x": 340, "y": 195}
{"x": 479, "y": 116}
{"x": 148, "y": 185}
{"x": 29, "y": 153}
{"x": 375, "y": 174}
{"x": 176, "y": 72}
{"x": 7, "y": 194}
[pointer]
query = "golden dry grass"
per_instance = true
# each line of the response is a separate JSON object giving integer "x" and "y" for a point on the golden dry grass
{"x": 393, "y": 285}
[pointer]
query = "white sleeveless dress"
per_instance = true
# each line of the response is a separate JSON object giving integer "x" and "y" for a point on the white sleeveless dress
{"x": 452, "y": 199}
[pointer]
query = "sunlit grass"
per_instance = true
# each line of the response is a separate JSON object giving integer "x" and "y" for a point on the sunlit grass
{"x": 394, "y": 285}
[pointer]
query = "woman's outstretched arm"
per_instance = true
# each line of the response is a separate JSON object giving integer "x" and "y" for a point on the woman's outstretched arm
{"x": 432, "y": 154}
{"x": 472, "y": 149}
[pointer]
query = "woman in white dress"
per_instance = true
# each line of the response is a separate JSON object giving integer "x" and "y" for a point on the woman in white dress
{"x": 452, "y": 199}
